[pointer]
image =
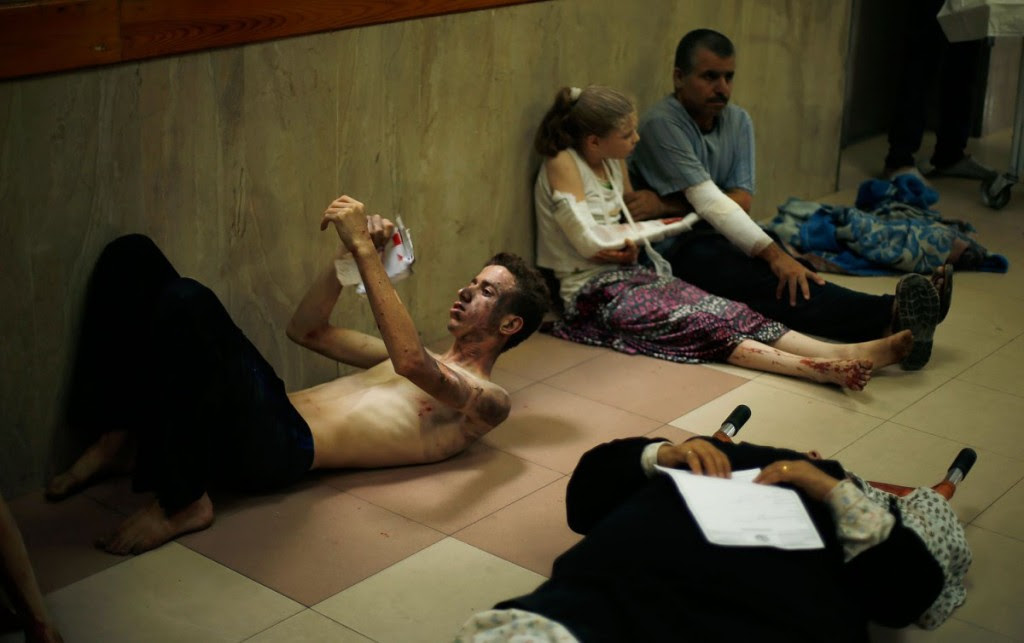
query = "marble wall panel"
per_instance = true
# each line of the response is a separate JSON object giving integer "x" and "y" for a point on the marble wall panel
{"x": 227, "y": 158}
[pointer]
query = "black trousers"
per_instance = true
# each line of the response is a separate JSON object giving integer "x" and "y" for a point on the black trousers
{"x": 705, "y": 258}
{"x": 160, "y": 356}
{"x": 929, "y": 58}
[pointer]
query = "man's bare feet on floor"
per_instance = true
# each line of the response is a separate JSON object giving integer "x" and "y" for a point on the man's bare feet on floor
{"x": 113, "y": 453}
{"x": 151, "y": 527}
{"x": 848, "y": 373}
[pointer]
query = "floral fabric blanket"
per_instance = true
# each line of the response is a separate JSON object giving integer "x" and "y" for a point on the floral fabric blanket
{"x": 891, "y": 229}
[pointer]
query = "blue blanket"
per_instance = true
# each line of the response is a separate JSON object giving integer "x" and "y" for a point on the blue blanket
{"x": 891, "y": 229}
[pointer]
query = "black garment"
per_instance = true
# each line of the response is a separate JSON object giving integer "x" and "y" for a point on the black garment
{"x": 159, "y": 356}
{"x": 928, "y": 57}
{"x": 708, "y": 260}
{"x": 644, "y": 571}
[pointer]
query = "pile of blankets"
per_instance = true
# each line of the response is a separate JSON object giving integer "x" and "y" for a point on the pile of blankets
{"x": 891, "y": 229}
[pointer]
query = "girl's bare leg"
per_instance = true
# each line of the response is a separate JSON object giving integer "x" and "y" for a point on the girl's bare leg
{"x": 113, "y": 453}
{"x": 850, "y": 373}
{"x": 881, "y": 352}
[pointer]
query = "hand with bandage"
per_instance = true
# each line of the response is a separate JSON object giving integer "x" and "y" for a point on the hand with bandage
{"x": 800, "y": 473}
{"x": 626, "y": 256}
{"x": 698, "y": 455}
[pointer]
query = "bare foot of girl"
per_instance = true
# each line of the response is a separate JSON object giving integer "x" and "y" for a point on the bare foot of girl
{"x": 885, "y": 351}
{"x": 848, "y": 373}
{"x": 113, "y": 453}
{"x": 151, "y": 527}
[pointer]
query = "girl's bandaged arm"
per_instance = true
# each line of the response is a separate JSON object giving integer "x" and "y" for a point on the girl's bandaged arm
{"x": 589, "y": 237}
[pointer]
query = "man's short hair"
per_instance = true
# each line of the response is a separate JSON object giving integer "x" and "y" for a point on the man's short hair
{"x": 716, "y": 43}
{"x": 528, "y": 299}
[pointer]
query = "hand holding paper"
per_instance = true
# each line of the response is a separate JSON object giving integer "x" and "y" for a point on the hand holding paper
{"x": 397, "y": 256}
{"x": 738, "y": 513}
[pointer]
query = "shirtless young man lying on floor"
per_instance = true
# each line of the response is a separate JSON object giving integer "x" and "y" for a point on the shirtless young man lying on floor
{"x": 179, "y": 395}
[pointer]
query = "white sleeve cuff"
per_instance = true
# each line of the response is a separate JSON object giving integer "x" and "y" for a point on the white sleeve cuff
{"x": 649, "y": 458}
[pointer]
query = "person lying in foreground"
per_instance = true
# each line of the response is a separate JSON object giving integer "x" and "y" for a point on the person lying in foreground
{"x": 181, "y": 397}
{"x": 645, "y": 572}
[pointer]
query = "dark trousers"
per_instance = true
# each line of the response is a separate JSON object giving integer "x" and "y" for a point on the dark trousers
{"x": 159, "y": 356}
{"x": 928, "y": 57}
{"x": 708, "y": 260}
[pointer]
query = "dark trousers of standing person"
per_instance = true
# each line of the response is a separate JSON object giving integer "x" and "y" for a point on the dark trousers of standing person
{"x": 159, "y": 356}
{"x": 706, "y": 259}
{"x": 929, "y": 57}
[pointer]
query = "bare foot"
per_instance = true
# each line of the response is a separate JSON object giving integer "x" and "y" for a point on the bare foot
{"x": 885, "y": 351}
{"x": 849, "y": 373}
{"x": 150, "y": 527}
{"x": 114, "y": 452}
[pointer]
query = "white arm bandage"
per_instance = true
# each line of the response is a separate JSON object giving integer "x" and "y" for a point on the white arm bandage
{"x": 585, "y": 234}
{"x": 589, "y": 236}
{"x": 727, "y": 217}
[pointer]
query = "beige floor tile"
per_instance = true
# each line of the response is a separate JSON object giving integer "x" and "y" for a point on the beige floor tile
{"x": 554, "y": 428}
{"x": 448, "y": 495}
{"x": 312, "y": 543}
{"x": 674, "y": 434}
{"x": 900, "y": 455}
{"x": 1006, "y": 515}
{"x": 308, "y": 626}
{"x": 729, "y": 369}
{"x": 1003, "y": 370}
{"x": 890, "y": 390}
{"x": 509, "y": 380}
{"x": 781, "y": 419}
{"x": 59, "y": 537}
{"x": 995, "y": 583}
{"x": 428, "y": 596}
{"x": 542, "y": 356}
{"x": 169, "y": 594}
{"x": 975, "y": 414}
{"x": 952, "y": 631}
{"x": 654, "y": 388}
{"x": 985, "y": 312}
{"x": 530, "y": 532}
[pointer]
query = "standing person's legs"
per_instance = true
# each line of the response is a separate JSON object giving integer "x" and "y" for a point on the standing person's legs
{"x": 708, "y": 260}
{"x": 923, "y": 45}
{"x": 957, "y": 88}
{"x": 106, "y": 396}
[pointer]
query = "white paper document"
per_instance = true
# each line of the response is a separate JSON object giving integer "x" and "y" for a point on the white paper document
{"x": 739, "y": 513}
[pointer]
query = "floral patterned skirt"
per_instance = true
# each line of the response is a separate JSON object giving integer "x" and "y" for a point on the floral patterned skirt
{"x": 633, "y": 310}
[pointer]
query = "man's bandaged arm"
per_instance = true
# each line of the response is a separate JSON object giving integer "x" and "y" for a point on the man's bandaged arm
{"x": 715, "y": 207}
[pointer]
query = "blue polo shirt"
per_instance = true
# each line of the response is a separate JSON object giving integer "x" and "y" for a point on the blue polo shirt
{"x": 673, "y": 154}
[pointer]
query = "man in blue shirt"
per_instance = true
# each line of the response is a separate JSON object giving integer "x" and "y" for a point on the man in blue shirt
{"x": 696, "y": 153}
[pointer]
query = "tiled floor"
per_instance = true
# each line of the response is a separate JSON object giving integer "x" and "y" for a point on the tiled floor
{"x": 407, "y": 554}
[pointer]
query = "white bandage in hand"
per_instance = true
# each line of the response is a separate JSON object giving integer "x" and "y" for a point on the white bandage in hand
{"x": 727, "y": 217}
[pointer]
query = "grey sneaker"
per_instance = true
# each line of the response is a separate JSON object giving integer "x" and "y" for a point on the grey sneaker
{"x": 965, "y": 168}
